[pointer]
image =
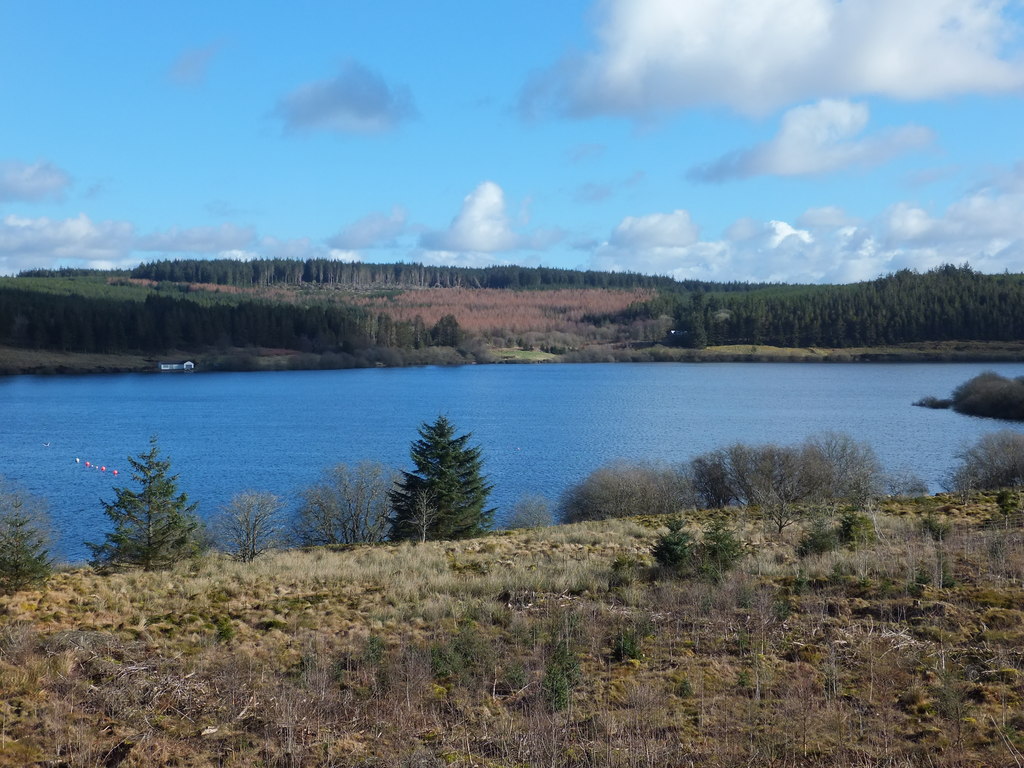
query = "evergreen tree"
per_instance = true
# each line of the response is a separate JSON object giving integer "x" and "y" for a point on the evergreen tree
{"x": 154, "y": 527}
{"x": 24, "y": 559}
{"x": 447, "y": 476}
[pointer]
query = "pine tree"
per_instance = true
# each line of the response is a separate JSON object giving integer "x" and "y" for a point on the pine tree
{"x": 24, "y": 559}
{"x": 448, "y": 480}
{"x": 154, "y": 527}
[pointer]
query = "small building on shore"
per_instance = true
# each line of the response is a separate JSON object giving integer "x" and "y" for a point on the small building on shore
{"x": 184, "y": 365}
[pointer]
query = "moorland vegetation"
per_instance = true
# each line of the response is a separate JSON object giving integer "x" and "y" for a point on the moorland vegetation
{"x": 705, "y": 625}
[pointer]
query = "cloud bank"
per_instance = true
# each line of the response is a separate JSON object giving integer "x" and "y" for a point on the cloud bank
{"x": 755, "y": 56}
{"x": 984, "y": 228}
{"x": 32, "y": 182}
{"x": 818, "y": 138}
{"x": 375, "y": 230}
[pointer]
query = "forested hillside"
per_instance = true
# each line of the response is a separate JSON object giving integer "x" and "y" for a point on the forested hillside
{"x": 949, "y": 303}
{"x": 322, "y": 313}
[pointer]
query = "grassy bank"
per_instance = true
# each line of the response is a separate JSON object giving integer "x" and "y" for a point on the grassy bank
{"x": 553, "y": 647}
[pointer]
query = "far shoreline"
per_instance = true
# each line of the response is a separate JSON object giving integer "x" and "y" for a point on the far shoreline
{"x": 24, "y": 362}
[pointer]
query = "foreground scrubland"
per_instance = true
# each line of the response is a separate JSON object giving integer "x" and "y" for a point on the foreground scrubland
{"x": 560, "y": 646}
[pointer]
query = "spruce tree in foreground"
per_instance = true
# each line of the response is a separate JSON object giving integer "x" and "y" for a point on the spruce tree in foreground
{"x": 446, "y": 496}
{"x": 24, "y": 558}
{"x": 154, "y": 527}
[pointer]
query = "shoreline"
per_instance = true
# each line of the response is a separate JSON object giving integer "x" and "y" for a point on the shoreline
{"x": 24, "y": 362}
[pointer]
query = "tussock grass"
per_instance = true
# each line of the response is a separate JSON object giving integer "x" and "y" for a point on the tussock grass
{"x": 561, "y": 646}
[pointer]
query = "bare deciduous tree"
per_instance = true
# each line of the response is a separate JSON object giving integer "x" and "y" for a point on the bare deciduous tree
{"x": 624, "y": 489}
{"x": 424, "y": 513}
{"x": 995, "y": 461}
{"x": 786, "y": 482}
{"x": 348, "y": 506}
{"x": 249, "y": 525}
{"x": 774, "y": 478}
{"x": 530, "y": 512}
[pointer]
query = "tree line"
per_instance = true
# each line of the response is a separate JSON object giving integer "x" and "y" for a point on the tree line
{"x": 948, "y": 303}
{"x": 159, "y": 323}
{"x": 367, "y": 275}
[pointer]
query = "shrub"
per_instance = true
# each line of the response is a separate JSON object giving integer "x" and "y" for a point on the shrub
{"x": 992, "y": 395}
{"x": 530, "y": 512}
{"x": 349, "y": 505}
{"x": 905, "y": 483}
{"x": 995, "y": 461}
{"x": 625, "y": 569}
{"x": 711, "y": 480}
{"x": 934, "y": 527}
{"x": 720, "y": 549}
{"x": 624, "y": 489}
{"x": 250, "y": 525}
{"x": 856, "y": 529}
{"x": 675, "y": 549}
{"x": 626, "y": 645}
{"x": 24, "y": 558}
{"x": 560, "y": 676}
{"x": 819, "y": 538}
{"x": 785, "y": 481}
{"x": 1007, "y": 502}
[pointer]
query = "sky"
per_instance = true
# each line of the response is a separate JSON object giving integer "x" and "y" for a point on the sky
{"x": 754, "y": 140}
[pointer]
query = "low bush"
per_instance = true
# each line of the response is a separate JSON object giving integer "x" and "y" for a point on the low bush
{"x": 820, "y": 537}
{"x": 624, "y": 489}
{"x": 718, "y": 551}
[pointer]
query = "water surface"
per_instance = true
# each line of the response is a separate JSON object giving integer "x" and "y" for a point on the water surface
{"x": 541, "y": 427}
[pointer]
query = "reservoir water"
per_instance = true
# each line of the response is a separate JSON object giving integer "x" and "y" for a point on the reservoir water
{"x": 541, "y": 427}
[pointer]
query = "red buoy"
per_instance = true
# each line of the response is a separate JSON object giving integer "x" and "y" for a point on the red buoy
{"x": 115, "y": 471}
{"x": 88, "y": 464}
{"x": 103, "y": 469}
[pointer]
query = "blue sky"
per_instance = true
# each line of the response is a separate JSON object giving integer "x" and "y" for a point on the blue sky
{"x": 779, "y": 140}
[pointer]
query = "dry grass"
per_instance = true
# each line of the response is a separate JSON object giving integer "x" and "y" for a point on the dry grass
{"x": 555, "y": 647}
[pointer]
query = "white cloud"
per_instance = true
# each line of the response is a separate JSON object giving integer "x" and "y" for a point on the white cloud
{"x": 40, "y": 243}
{"x": 376, "y": 230}
{"x": 816, "y": 138}
{"x": 30, "y": 243}
{"x": 755, "y": 56}
{"x": 31, "y": 182}
{"x": 357, "y": 100}
{"x": 984, "y": 228}
{"x": 482, "y": 225}
{"x": 657, "y": 230}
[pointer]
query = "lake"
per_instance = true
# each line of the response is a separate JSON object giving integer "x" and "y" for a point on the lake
{"x": 541, "y": 427}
